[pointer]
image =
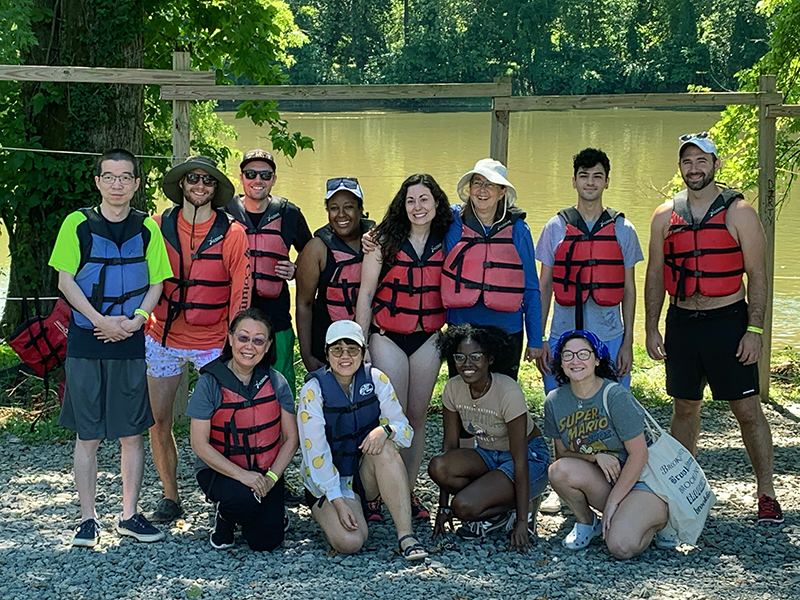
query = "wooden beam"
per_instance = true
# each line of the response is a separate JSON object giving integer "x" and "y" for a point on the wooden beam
{"x": 498, "y": 148}
{"x": 181, "y": 134}
{"x": 766, "y": 212}
{"x": 783, "y": 110}
{"x": 336, "y": 92}
{"x": 104, "y": 75}
{"x": 634, "y": 101}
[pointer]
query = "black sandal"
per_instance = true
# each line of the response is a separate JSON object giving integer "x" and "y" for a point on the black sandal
{"x": 419, "y": 550}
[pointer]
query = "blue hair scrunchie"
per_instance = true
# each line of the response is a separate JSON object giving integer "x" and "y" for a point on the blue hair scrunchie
{"x": 600, "y": 349}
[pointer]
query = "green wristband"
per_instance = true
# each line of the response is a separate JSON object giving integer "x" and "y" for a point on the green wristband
{"x": 757, "y": 330}
{"x": 142, "y": 312}
{"x": 272, "y": 476}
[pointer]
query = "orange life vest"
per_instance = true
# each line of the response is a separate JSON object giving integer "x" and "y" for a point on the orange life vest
{"x": 702, "y": 256}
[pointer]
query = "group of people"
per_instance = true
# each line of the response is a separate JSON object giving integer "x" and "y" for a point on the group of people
{"x": 379, "y": 307}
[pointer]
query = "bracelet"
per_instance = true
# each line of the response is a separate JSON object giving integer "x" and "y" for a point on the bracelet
{"x": 142, "y": 312}
{"x": 272, "y": 476}
{"x": 545, "y": 338}
{"x": 757, "y": 330}
{"x": 445, "y": 510}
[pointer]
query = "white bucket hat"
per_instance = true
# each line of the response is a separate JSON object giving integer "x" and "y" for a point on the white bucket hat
{"x": 495, "y": 172}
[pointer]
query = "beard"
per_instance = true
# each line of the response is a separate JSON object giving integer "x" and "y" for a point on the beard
{"x": 702, "y": 183}
{"x": 197, "y": 203}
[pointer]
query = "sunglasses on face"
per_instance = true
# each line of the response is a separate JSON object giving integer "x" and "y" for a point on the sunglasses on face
{"x": 258, "y": 342}
{"x": 264, "y": 175}
{"x": 694, "y": 136}
{"x": 474, "y": 357}
{"x": 194, "y": 178}
{"x": 568, "y": 355}
{"x": 351, "y": 183}
{"x": 338, "y": 351}
{"x": 482, "y": 183}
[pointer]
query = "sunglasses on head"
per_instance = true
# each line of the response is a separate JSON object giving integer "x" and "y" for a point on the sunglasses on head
{"x": 694, "y": 136}
{"x": 208, "y": 180}
{"x": 351, "y": 183}
{"x": 264, "y": 175}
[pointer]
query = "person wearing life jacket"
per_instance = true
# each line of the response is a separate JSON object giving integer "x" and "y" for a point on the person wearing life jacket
{"x": 400, "y": 303}
{"x": 700, "y": 242}
{"x": 329, "y": 269}
{"x": 588, "y": 254}
{"x": 244, "y": 433}
{"x": 351, "y": 426}
{"x": 208, "y": 253}
{"x": 273, "y": 225}
{"x": 489, "y": 275}
{"x": 111, "y": 261}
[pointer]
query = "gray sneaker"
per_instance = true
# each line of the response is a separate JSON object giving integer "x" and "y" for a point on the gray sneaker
{"x": 88, "y": 534}
{"x": 166, "y": 511}
{"x": 140, "y": 528}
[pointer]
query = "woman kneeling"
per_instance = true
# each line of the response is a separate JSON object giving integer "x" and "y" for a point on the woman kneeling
{"x": 351, "y": 425}
{"x": 598, "y": 429}
{"x": 244, "y": 434}
{"x": 508, "y": 467}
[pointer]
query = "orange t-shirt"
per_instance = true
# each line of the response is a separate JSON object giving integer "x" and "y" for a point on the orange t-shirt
{"x": 237, "y": 262}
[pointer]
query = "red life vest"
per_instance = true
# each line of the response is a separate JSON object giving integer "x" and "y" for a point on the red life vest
{"x": 588, "y": 263}
{"x": 41, "y": 342}
{"x": 484, "y": 266}
{"x": 341, "y": 292}
{"x": 702, "y": 256}
{"x": 246, "y": 428}
{"x": 266, "y": 243}
{"x": 409, "y": 293}
{"x": 203, "y": 294}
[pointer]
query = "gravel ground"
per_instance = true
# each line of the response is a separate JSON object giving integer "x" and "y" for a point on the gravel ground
{"x": 735, "y": 558}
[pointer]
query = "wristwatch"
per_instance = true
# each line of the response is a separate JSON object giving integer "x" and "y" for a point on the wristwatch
{"x": 388, "y": 431}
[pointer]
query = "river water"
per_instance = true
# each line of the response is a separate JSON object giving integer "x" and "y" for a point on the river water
{"x": 381, "y": 148}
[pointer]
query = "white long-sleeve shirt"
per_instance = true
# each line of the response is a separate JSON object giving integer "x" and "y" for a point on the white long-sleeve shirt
{"x": 320, "y": 476}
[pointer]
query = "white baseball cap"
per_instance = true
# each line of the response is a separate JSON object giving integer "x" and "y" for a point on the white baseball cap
{"x": 345, "y": 330}
{"x": 701, "y": 140}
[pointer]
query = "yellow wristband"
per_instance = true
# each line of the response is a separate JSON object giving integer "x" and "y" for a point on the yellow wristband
{"x": 757, "y": 330}
{"x": 545, "y": 338}
{"x": 142, "y": 312}
{"x": 272, "y": 476}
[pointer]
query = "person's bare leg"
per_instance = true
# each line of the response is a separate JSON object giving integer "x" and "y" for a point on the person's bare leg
{"x": 685, "y": 426}
{"x": 385, "y": 474}
{"x": 580, "y": 485}
{"x": 162, "y": 392}
{"x": 638, "y": 517}
{"x": 132, "y": 449}
{"x": 488, "y": 496}
{"x": 757, "y": 439}
{"x": 456, "y": 469}
{"x": 85, "y": 461}
{"x": 424, "y": 364}
{"x": 340, "y": 539}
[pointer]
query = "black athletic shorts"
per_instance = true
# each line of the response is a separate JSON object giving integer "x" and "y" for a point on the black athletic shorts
{"x": 701, "y": 348}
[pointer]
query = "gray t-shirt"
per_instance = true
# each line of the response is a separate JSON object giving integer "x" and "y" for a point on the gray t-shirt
{"x": 604, "y": 321}
{"x": 589, "y": 429}
{"x": 207, "y": 398}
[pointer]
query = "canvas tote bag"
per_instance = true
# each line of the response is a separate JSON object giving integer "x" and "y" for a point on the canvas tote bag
{"x": 674, "y": 476}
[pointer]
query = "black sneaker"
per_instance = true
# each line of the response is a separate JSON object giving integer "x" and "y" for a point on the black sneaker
{"x": 471, "y": 530}
{"x": 87, "y": 534}
{"x": 285, "y": 519}
{"x": 166, "y": 511}
{"x": 140, "y": 528}
{"x": 222, "y": 534}
{"x": 290, "y": 498}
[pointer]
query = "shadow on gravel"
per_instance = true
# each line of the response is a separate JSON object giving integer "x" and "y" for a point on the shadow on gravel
{"x": 721, "y": 461}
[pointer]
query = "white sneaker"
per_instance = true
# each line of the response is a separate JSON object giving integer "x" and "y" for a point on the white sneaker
{"x": 550, "y": 505}
{"x": 582, "y": 534}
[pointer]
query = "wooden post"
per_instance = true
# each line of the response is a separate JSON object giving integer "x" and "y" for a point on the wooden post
{"x": 181, "y": 136}
{"x": 766, "y": 212}
{"x": 181, "y": 148}
{"x": 498, "y": 148}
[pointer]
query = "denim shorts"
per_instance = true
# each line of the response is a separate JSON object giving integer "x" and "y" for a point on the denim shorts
{"x": 538, "y": 462}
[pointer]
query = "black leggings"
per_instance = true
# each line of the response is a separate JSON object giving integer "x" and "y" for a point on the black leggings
{"x": 262, "y": 522}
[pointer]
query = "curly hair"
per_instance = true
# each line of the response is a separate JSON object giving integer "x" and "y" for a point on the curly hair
{"x": 270, "y": 356}
{"x": 393, "y": 230}
{"x": 492, "y": 340}
{"x": 606, "y": 369}
{"x": 589, "y": 157}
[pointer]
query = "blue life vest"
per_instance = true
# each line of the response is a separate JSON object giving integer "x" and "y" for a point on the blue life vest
{"x": 347, "y": 422}
{"x": 114, "y": 277}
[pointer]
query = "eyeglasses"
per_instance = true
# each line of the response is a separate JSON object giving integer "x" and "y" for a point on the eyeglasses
{"x": 338, "y": 351}
{"x": 483, "y": 183}
{"x": 246, "y": 339}
{"x": 568, "y": 355}
{"x": 351, "y": 183}
{"x": 264, "y": 175}
{"x": 109, "y": 179}
{"x": 194, "y": 178}
{"x": 474, "y": 357}
{"x": 694, "y": 136}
